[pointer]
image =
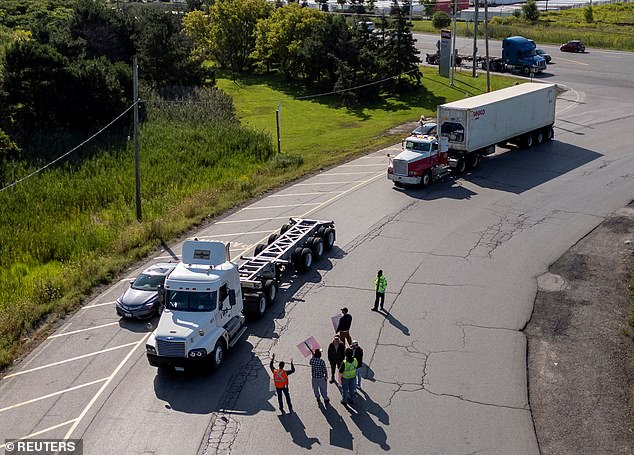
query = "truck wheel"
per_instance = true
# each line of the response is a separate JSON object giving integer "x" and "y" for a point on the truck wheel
{"x": 528, "y": 141}
{"x": 272, "y": 238}
{"x": 320, "y": 232}
{"x": 461, "y": 166}
{"x": 425, "y": 179}
{"x": 284, "y": 228}
{"x": 295, "y": 257}
{"x": 526, "y": 70}
{"x": 259, "y": 248}
{"x": 474, "y": 160}
{"x": 270, "y": 291}
{"x": 317, "y": 246}
{"x": 329, "y": 238}
{"x": 399, "y": 184}
{"x": 550, "y": 134}
{"x": 260, "y": 309}
{"x": 218, "y": 355}
{"x": 539, "y": 137}
{"x": 305, "y": 260}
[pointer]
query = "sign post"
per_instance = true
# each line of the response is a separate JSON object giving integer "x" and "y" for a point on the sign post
{"x": 445, "y": 53}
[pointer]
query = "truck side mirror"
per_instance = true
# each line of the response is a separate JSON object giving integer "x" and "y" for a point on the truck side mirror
{"x": 161, "y": 294}
{"x": 444, "y": 144}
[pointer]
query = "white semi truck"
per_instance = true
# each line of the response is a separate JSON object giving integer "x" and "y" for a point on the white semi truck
{"x": 470, "y": 128}
{"x": 207, "y": 296}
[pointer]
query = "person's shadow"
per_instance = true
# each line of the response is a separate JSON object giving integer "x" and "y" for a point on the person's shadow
{"x": 361, "y": 418}
{"x": 396, "y": 323}
{"x": 340, "y": 436}
{"x": 375, "y": 409}
{"x": 294, "y": 425}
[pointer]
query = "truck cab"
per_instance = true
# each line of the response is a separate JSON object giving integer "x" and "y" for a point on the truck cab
{"x": 519, "y": 53}
{"x": 419, "y": 162}
{"x": 203, "y": 309}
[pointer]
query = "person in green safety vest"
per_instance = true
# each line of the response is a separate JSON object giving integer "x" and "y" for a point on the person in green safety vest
{"x": 380, "y": 284}
{"x": 348, "y": 370}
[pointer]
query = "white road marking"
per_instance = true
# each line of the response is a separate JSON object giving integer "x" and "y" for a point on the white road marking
{"x": 316, "y": 193}
{"x": 104, "y": 386}
{"x": 72, "y": 359}
{"x": 280, "y": 206}
{"x": 45, "y": 430}
{"x": 72, "y": 332}
{"x": 573, "y": 61}
{"x": 328, "y": 174}
{"x": 361, "y": 165}
{"x": 573, "y": 103}
{"x": 44, "y": 397}
{"x": 255, "y": 219}
{"x": 95, "y": 305}
{"x": 324, "y": 183}
{"x": 211, "y": 237}
{"x": 167, "y": 257}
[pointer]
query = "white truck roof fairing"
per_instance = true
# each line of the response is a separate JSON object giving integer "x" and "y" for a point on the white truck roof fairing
{"x": 198, "y": 278}
{"x": 205, "y": 252}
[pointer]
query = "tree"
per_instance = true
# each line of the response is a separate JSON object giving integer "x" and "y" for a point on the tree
{"x": 227, "y": 34}
{"x": 588, "y": 13}
{"x": 530, "y": 11}
{"x": 428, "y": 7}
{"x": 440, "y": 19}
{"x": 9, "y": 151}
{"x": 399, "y": 50}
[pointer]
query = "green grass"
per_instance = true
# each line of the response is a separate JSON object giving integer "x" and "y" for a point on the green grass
{"x": 73, "y": 227}
{"x": 612, "y": 28}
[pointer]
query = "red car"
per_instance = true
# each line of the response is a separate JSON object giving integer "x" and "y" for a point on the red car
{"x": 573, "y": 46}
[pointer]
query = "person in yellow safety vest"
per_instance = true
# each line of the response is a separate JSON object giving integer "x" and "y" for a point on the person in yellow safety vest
{"x": 380, "y": 284}
{"x": 348, "y": 370}
{"x": 280, "y": 379}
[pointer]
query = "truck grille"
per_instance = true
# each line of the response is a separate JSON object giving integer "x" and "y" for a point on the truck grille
{"x": 171, "y": 348}
{"x": 400, "y": 167}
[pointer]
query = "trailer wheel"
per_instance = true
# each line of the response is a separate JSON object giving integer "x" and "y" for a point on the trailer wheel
{"x": 259, "y": 248}
{"x": 320, "y": 232}
{"x": 329, "y": 238}
{"x": 295, "y": 257}
{"x": 284, "y": 228}
{"x": 526, "y": 70}
{"x": 260, "y": 308}
{"x": 425, "y": 179}
{"x": 550, "y": 134}
{"x": 270, "y": 291}
{"x": 305, "y": 259}
{"x": 539, "y": 137}
{"x": 218, "y": 355}
{"x": 317, "y": 246}
{"x": 272, "y": 238}
{"x": 528, "y": 141}
{"x": 474, "y": 160}
{"x": 461, "y": 166}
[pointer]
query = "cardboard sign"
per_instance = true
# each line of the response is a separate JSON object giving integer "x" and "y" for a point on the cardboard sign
{"x": 335, "y": 321}
{"x": 308, "y": 346}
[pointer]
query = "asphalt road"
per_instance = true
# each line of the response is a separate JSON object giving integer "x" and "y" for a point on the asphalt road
{"x": 447, "y": 363}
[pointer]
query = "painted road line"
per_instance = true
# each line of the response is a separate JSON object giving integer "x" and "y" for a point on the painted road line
{"x": 573, "y": 61}
{"x": 167, "y": 257}
{"x": 72, "y": 359}
{"x": 45, "y": 430}
{"x": 252, "y": 220}
{"x": 328, "y": 174}
{"x": 324, "y": 183}
{"x": 315, "y": 193}
{"x": 44, "y": 397}
{"x": 72, "y": 332}
{"x": 104, "y": 386}
{"x": 573, "y": 103}
{"x": 359, "y": 184}
{"x": 361, "y": 165}
{"x": 95, "y": 305}
{"x": 212, "y": 237}
{"x": 280, "y": 206}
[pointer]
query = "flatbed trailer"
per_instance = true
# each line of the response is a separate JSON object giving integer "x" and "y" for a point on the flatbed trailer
{"x": 299, "y": 243}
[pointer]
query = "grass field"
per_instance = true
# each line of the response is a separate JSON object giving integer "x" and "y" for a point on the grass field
{"x": 73, "y": 227}
{"x": 612, "y": 28}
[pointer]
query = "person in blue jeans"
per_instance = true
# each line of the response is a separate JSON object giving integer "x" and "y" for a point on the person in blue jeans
{"x": 348, "y": 370}
{"x": 357, "y": 353}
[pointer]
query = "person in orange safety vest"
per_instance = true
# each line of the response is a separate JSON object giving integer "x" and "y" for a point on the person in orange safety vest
{"x": 280, "y": 379}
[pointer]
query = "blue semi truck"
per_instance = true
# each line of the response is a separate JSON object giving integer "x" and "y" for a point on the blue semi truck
{"x": 518, "y": 54}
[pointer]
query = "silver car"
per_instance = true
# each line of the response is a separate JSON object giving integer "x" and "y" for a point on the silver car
{"x": 428, "y": 128}
{"x": 141, "y": 300}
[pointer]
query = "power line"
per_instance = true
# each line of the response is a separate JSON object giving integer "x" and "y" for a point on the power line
{"x": 69, "y": 152}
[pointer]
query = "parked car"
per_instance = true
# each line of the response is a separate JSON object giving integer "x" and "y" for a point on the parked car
{"x": 428, "y": 128}
{"x": 573, "y": 46}
{"x": 544, "y": 54}
{"x": 141, "y": 300}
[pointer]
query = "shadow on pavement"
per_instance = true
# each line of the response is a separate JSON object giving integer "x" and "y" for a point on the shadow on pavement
{"x": 340, "y": 436}
{"x": 374, "y": 408}
{"x": 396, "y": 323}
{"x": 361, "y": 418}
{"x": 294, "y": 425}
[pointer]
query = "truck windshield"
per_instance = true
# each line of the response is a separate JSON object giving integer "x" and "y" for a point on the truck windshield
{"x": 148, "y": 282}
{"x": 530, "y": 53}
{"x": 418, "y": 146}
{"x": 192, "y": 301}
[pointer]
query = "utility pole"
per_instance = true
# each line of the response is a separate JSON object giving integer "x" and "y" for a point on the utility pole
{"x": 453, "y": 43}
{"x": 277, "y": 121}
{"x": 475, "y": 39}
{"x": 486, "y": 41}
{"x": 135, "y": 96}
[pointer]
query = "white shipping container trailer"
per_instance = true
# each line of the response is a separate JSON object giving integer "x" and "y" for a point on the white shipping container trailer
{"x": 522, "y": 114}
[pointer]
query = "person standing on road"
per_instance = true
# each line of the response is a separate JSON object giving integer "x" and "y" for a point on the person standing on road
{"x": 280, "y": 379}
{"x": 348, "y": 370}
{"x": 319, "y": 375}
{"x": 336, "y": 354}
{"x": 343, "y": 328}
{"x": 357, "y": 353}
{"x": 380, "y": 285}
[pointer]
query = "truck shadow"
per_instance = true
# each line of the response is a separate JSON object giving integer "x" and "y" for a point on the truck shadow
{"x": 512, "y": 170}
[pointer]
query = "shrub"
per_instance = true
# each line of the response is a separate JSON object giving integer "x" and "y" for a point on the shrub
{"x": 440, "y": 19}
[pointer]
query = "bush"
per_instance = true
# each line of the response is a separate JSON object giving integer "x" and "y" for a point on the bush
{"x": 588, "y": 14}
{"x": 440, "y": 19}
